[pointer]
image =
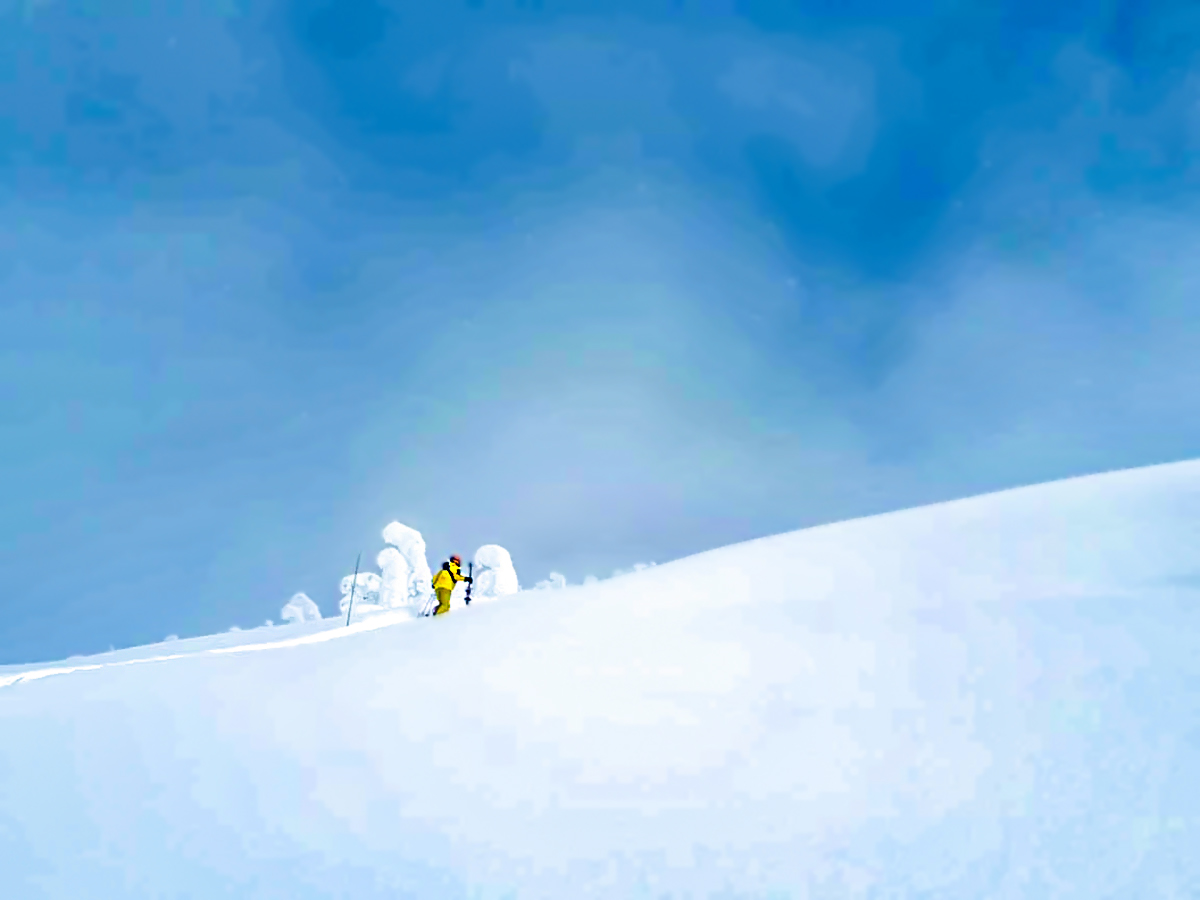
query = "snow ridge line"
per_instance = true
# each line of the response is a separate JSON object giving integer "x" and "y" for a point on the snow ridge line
{"x": 375, "y": 622}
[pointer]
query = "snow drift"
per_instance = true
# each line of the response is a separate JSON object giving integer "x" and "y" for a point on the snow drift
{"x": 994, "y": 698}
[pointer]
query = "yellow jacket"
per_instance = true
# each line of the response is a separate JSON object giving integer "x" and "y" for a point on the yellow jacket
{"x": 447, "y": 577}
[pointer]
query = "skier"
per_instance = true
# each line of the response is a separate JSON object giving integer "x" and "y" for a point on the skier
{"x": 444, "y": 581}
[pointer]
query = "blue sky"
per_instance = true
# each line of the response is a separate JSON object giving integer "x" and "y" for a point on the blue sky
{"x": 601, "y": 282}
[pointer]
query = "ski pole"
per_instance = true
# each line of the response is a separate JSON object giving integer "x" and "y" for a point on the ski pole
{"x": 470, "y": 579}
{"x": 353, "y": 585}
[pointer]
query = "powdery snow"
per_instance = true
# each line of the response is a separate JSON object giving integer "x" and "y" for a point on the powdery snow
{"x": 991, "y": 698}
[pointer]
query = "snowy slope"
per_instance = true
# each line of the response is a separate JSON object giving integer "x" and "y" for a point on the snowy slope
{"x": 994, "y": 698}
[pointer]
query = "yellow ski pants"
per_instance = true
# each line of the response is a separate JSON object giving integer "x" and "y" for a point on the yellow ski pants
{"x": 443, "y": 596}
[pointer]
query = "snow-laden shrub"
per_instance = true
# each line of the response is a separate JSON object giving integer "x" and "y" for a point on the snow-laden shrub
{"x": 495, "y": 575}
{"x": 637, "y": 567}
{"x": 554, "y": 582}
{"x": 366, "y": 593}
{"x": 300, "y": 608}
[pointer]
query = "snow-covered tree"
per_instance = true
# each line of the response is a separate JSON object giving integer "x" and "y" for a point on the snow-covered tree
{"x": 406, "y": 580}
{"x": 495, "y": 575}
{"x": 395, "y": 577}
{"x": 300, "y": 608}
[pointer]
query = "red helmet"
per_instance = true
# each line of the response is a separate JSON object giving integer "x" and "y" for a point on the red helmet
{"x": 456, "y": 559}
